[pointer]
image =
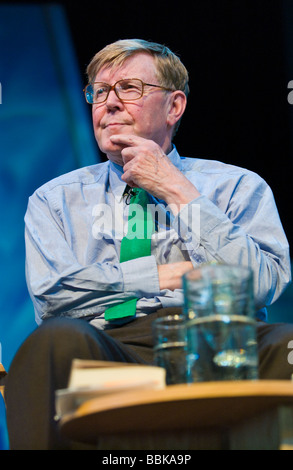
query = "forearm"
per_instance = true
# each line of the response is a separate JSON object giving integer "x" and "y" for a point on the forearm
{"x": 87, "y": 290}
{"x": 75, "y": 291}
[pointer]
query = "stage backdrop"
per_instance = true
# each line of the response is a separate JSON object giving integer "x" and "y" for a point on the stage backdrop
{"x": 45, "y": 130}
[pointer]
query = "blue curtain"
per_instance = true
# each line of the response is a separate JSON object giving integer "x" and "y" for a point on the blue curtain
{"x": 45, "y": 130}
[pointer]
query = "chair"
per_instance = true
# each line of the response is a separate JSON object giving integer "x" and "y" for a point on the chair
{"x": 4, "y": 439}
{"x": 2, "y": 375}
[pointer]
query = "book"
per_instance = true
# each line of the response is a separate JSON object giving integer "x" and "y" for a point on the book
{"x": 91, "y": 379}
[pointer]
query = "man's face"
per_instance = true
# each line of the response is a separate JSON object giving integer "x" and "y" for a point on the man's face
{"x": 146, "y": 117}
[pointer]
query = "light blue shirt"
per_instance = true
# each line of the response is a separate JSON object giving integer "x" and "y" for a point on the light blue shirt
{"x": 74, "y": 225}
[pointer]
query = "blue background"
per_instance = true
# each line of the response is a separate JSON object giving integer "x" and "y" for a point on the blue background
{"x": 45, "y": 130}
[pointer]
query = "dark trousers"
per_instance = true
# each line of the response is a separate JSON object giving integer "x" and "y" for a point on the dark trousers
{"x": 43, "y": 362}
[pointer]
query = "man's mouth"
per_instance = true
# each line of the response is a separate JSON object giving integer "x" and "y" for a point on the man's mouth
{"x": 114, "y": 124}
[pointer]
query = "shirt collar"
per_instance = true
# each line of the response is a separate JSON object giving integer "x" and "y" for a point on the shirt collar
{"x": 116, "y": 171}
{"x": 116, "y": 184}
{"x": 175, "y": 158}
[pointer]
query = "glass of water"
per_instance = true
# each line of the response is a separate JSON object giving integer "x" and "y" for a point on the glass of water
{"x": 171, "y": 347}
{"x": 222, "y": 347}
{"x": 218, "y": 289}
{"x": 219, "y": 308}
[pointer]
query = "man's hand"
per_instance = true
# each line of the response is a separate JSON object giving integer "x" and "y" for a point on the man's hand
{"x": 146, "y": 166}
{"x": 170, "y": 275}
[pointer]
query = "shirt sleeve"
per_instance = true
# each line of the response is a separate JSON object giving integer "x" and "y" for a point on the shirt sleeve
{"x": 146, "y": 285}
{"x": 246, "y": 232}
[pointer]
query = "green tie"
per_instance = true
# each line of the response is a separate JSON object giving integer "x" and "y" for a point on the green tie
{"x": 135, "y": 244}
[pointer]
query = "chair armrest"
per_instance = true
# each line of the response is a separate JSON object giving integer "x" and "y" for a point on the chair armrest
{"x": 3, "y": 373}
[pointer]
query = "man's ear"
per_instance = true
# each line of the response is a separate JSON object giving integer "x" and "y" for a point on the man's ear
{"x": 177, "y": 107}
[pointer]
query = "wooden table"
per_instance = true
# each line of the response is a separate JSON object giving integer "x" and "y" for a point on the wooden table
{"x": 210, "y": 415}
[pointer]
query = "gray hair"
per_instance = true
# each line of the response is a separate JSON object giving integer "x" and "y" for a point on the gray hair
{"x": 171, "y": 72}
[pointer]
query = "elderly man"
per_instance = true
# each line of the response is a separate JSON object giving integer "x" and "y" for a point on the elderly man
{"x": 93, "y": 299}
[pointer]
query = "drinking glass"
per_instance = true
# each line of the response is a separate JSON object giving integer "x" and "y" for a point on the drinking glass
{"x": 219, "y": 309}
{"x": 171, "y": 347}
{"x": 222, "y": 347}
{"x": 218, "y": 289}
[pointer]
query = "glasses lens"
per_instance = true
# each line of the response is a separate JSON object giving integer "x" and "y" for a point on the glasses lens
{"x": 99, "y": 92}
{"x": 129, "y": 89}
{"x": 89, "y": 94}
{"x": 126, "y": 90}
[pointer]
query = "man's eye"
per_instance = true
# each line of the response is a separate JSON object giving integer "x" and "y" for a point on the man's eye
{"x": 100, "y": 91}
{"x": 125, "y": 86}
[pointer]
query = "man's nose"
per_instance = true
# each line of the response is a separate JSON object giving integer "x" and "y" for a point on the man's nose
{"x": 113, "y": 101}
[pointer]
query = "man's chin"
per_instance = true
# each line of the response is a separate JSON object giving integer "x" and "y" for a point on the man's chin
{"x": 115, "y": 159}
{"x": 113, "y": 154}
{"x": 112, "y": 151}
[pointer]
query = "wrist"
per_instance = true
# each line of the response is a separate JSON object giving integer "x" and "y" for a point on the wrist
{"x": 179, "y": 195}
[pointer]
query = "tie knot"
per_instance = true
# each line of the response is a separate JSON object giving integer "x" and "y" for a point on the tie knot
{"x": 138, "y": 196}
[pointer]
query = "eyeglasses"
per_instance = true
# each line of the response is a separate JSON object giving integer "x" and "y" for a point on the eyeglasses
{"x": 128, "y": 89}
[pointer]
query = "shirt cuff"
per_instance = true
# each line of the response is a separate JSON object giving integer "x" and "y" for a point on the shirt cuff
{"x": 141, "y": 276}
{"x": 197, "y": 220}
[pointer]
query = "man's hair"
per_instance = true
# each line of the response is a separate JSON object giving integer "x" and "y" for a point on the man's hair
{"x": 171, "y": 73}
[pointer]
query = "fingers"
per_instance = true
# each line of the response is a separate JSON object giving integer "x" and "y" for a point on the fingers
{"x": 142, "y": 160}
{"x": 127, "y": 139}
{"x": 136, "y": 145}
{"x": 170, "y": 275}
{"x": 146, "y": 166}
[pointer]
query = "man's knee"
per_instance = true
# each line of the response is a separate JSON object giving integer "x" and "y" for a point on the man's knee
{"x": 63, "y": 328}
{"x": 58, "y": 334}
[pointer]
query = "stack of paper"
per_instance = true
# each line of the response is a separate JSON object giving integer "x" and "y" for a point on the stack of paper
{"x": 91, "y": 379}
